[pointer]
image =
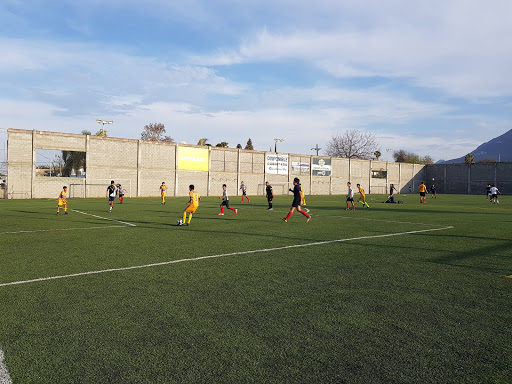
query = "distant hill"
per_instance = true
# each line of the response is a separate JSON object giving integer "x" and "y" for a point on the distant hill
{"x": 498, "y": 149}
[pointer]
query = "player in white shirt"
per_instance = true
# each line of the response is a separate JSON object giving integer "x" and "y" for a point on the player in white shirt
{"x": 350, "y": 197}
{"x": 494, "y": 194}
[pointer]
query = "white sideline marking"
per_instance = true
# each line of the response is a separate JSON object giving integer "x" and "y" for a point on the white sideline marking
{"x": 5, "y": 378}
{"x": 221, "y": 255}
{"x": 387, "y": 221}
{"x": 63, "y": 229}
{"x": 104, "y": 218}
{"x": 76, "y": 229}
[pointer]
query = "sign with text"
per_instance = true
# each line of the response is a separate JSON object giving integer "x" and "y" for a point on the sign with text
{"x": 300, "y": 168}
{"x": 321, "y": 166}
{"x": 276, "y": 164}
{"x": 192, "y": 159}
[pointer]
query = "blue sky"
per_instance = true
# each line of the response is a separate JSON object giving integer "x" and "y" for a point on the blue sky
{"x": 429, "y": 77}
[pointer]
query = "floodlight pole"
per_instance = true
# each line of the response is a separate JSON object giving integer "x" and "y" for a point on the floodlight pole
{"x": 103, "y": 122}
{"x": 275, "y": 144}
{"x": 316, "y": 149}
{"x": 389, "y": 150}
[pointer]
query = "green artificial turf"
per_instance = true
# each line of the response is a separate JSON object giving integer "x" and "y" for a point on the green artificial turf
{"x": 431, "y": 306}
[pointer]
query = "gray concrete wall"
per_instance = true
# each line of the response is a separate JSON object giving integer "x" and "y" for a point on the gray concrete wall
{"x": 469, "y": 178}
{"x": 147, "y": 164}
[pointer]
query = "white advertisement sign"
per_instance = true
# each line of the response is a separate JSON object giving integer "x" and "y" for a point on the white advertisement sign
{"x": 321, "y": 167}
{"x": 276, "y": 164}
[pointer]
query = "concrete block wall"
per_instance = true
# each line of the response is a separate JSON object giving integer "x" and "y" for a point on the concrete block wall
{"x": 147, "y": 164}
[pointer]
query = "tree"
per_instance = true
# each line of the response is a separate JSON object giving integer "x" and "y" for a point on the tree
{"x": 239, "y": 146}
{"x": 202, "y": 141}
{"x": 427, "y": 160}
{"x": 403, "y": 156}
{"x": 469, "y": 158}
{"x": 102, "y": 133}
{"x": 155, "y": 132}
{"x": 73, "y": 161}
{"x": 352, "y": 144}
{"x": 249, "y": 144}
{"x": 85, "y": 132}
{"x": 377, "y": 155}
{"x": 223, "y": 144}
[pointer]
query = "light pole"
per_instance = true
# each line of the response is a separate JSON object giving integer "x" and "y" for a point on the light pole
{"x": 316, "y": 149}
{"x": 275, "y": 144}
{"x": 103, "y": 122}
{"x": 389, "y": 150}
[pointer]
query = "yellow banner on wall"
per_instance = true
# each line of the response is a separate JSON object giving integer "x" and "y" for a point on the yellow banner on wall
{"x": 192, "y": 159}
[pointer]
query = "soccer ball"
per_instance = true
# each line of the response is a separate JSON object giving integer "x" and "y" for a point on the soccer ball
{"x": 179, "y": 222}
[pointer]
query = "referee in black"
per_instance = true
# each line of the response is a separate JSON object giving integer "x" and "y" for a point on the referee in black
{"x": 270, "y": 195}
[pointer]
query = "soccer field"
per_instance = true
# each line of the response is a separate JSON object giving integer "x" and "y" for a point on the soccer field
{"x": 398, "y": 293}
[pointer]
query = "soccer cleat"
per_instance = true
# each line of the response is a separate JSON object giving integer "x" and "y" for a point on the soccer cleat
{"x": 57, "y": 213}
{"x": 307, "y": 220}
{"x": 236, "y": 211}
{"x": 284, "y": 219}
{"x": 269, "y": 209}
{"x": 220, "y": 214}
{"x": 65, "y": 213}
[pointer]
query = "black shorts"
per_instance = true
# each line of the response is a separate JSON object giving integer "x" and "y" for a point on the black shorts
{"x": 110, "y": 198}
{"x": 495, "y": 196}
{"x": 121, "y": 195}
{"x": 350, "y": 199}
{"x": 243, "y": 193}
{"x": 423, "y": 194}
{"x": 296, "y": 203}
{"x": 269, "y": 198}
{"x": 225, "y": 202}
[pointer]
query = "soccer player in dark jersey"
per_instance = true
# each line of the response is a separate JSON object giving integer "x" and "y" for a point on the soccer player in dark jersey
{"x": 243, "y": 188}
{"x": 297, "y": 198}
{"x": 433, "y": 191}
{"x": 392, "y": 188}
{"x": 488, "y": 191}
{"x": 225, "y": 201}
{"x": 270, "y": 195}
{"x": 111, "y": 194}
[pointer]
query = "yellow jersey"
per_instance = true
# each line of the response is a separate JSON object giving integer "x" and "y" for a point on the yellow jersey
{"x": 422, "y": 188}
{"x": 194, "y": 199}
{"x": 361, "y": 191}
{"x": 62, "y": 197}
{"x": 163, "y": 189}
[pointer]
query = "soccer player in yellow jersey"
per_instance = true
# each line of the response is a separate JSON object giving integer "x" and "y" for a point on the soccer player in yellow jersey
{"x": 192, "y": 204}
{"x": 423, "y": 191}
{"x": 63, "y": 201}
{"x": 163, "y": 191}
{"x": 362, "y": 196}
{"x": 302, "y": 196}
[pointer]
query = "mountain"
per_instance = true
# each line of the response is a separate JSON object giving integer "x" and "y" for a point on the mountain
{"x": 498, "y": 149}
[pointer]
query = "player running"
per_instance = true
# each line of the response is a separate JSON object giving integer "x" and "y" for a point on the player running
{"x": 423, "y": 191}
{"x": 270, "y": 195}
{"x": 111, "y": 194}
{"x": 122, "y": 192}
{"x": 362, "y": 196}
{"x": 63, "y": 201}
{"x": 243, "y": 187}
{"x": 296, "y": 201}
{"x": 350, "y": 197}
{"x": 192, "y": 205}
{"x": 163, "y": 191}
{"x": 494, "y": 194}
{"x": 225, "y": 201}
{"x": 488, "y": 191}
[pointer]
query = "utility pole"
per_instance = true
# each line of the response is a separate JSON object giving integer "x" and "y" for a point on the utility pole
{"x": 316, "y": 149}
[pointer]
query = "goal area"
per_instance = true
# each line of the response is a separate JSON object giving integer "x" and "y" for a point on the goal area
{"x": 83, "y": 188}
{"x": 279, "y": 188}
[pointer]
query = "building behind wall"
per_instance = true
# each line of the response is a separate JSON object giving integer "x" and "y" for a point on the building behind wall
{"x": 141, "y": 166}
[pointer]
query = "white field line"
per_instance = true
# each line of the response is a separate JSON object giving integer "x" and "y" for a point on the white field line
{"x": 63, "y": 229}
{"x": 76, "y": 229}
{"x": 221, "y": 255}
{"x": 388, "y": 221}
{"x": 5, "y": 378}
{"x": 104, "y": 218}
